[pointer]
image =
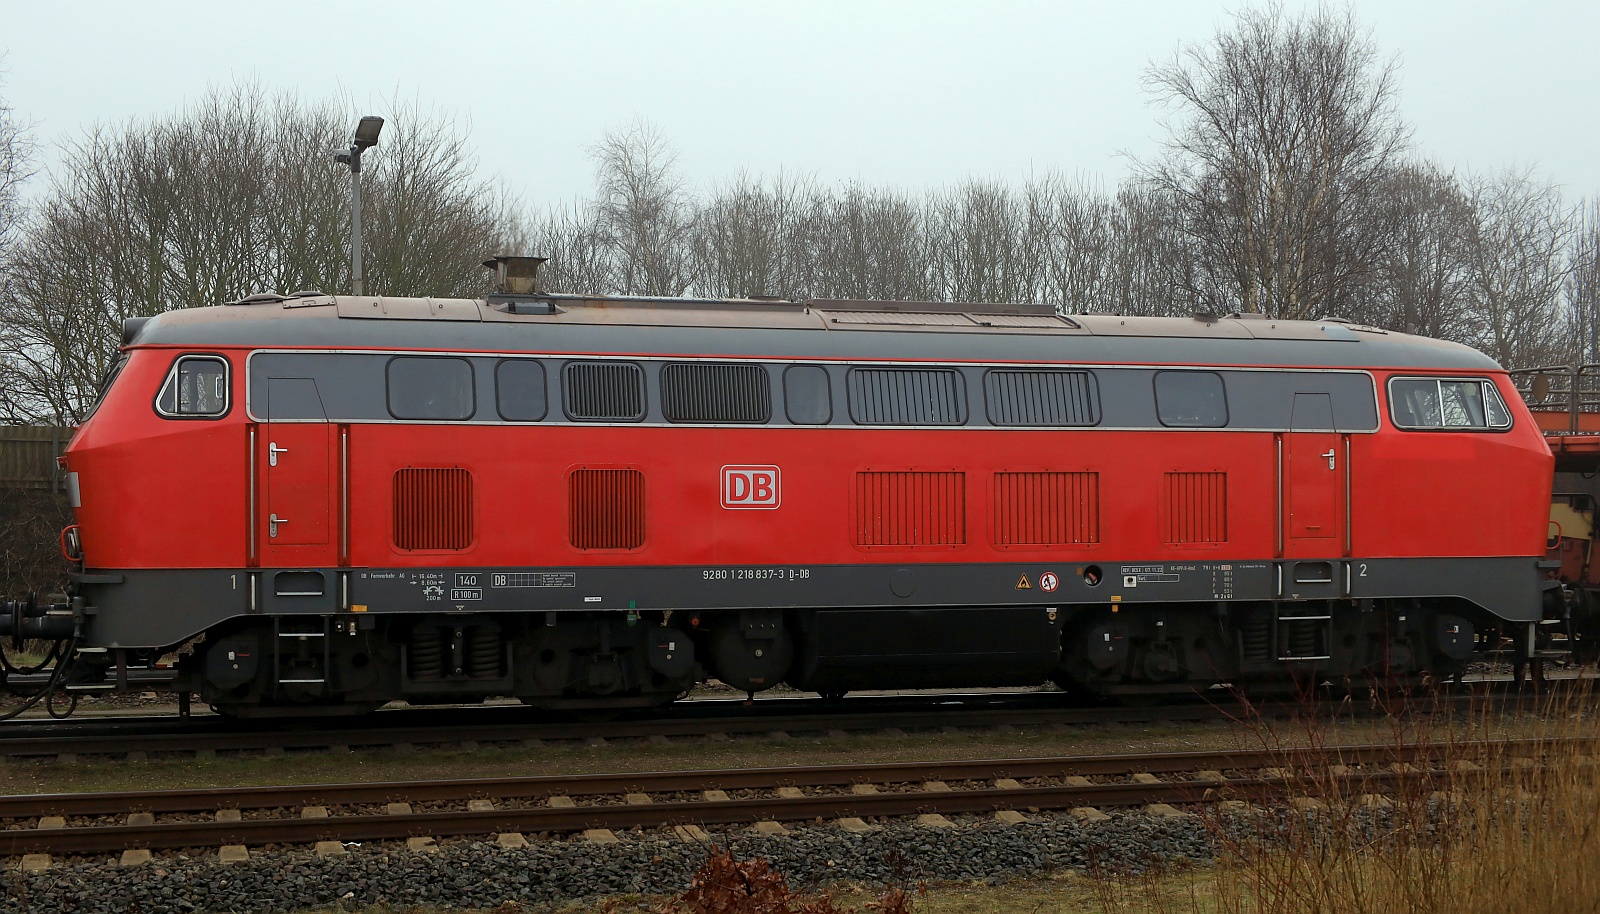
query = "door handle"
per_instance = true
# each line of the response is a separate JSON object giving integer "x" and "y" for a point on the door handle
{"x": 273, "y": 521}
{"x": 273, "y": 451}
{"x": 1329, "y": 455}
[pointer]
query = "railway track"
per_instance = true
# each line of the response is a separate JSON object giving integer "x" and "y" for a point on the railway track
{"x": 234, "y": 819}
{"x": 146, "y": 738}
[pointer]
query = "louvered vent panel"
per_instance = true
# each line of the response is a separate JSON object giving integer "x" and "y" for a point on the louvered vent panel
{"x": 716, "y": 393}
{"x": 901, "y": 318}
{"x": 905, "y": 396}
{"x": 1046, "y": 509}
{"x": 911, "y": 508}
{"x": 1049, "y": 398}
{"x": 604, "y": 391}
{"x": 432, "y": 508}
{"x": 1195, "y": 509}
{"x": 1026, "y": 320}
{"x": 605, "y": 509}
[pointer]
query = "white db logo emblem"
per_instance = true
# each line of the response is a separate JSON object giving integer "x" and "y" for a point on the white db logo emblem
{"x": 750, "y": 487}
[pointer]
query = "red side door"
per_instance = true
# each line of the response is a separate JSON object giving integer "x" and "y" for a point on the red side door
{"x": 1314, "y": 477}
{"x": 295, "y": 522}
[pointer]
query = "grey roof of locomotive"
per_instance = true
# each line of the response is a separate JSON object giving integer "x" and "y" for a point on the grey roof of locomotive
{"x": 816, "y": 329}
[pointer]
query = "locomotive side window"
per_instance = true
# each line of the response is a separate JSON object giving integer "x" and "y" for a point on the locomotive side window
{"x": 1041, "y": 397}
{"x": 1440, "y": 403}
{"x": 519, "y": 388}
{"x": 907, "y": 396}
{"x": 603, "y": 391}
{"x": 715, "y": 392}
{"x": 196, "y": 387}
{"x": 430, "y": 387}
{"x": 1191, "y": 399}
{"x": 807, "y": 395}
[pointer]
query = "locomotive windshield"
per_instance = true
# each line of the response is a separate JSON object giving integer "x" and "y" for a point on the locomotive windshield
{"x": 1436, "y": 403}
{"x": 105, "y": 384}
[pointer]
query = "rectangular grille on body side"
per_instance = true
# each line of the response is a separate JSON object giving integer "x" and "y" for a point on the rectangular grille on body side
{"x": 716, "y": 393}
{"x": 1046, "y": 398}
{"x": 1195, "y": 509}
{"x": 603, "y": 391}
{"x": 605, "y": 509}
{"x": 432, "y": 508}
{"x": 907, "y": 396}
{"x": 1046, "y": 509}
{"x": 911, "y": 508}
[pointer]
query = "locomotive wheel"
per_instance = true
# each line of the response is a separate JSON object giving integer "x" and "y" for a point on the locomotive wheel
{"x": 750, "y": 664}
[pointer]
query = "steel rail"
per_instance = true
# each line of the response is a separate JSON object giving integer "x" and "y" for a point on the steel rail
{"x": 542, "y": 786}
{"x": 24, "y": 746}
{"x": 150, "y": 735}
{"x": 1273, "y": 780}
{"x": 93, "y": 839}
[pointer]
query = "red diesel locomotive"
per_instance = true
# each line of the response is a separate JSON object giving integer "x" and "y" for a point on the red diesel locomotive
{"x": 329, "y": 503}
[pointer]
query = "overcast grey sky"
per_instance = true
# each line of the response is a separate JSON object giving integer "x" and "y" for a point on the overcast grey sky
{"x": 913, "y": 94}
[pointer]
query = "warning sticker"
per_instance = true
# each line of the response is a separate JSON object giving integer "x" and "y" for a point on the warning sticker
{"x": 1048, "y": 581}
{"x": 1022, "y": 583}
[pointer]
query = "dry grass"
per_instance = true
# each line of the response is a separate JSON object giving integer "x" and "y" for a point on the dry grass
{"x": 1486, "y": 833}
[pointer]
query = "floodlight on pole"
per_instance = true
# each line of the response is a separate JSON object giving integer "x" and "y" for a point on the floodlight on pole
{"x": 367, "y": 131}
{"x": 366, "y": 137}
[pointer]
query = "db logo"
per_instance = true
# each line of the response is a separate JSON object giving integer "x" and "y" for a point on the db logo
{"x": 750, "y": 487}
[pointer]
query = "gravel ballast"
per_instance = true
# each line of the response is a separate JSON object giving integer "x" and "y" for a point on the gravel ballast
{"x": 481, "y": 874}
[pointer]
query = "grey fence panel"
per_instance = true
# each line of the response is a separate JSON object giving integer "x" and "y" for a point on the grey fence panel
{"x": 28, "y": 456}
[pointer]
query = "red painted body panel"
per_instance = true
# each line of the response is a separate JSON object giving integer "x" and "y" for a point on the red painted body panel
{"x": 156, "y": 492}
{"x": 164, "y": 493}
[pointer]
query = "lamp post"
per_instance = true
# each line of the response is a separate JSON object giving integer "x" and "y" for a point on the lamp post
{"x": 366, "y": 138}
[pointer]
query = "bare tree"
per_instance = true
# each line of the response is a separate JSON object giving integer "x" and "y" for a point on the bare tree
{"x": 155, "y": 216}
{"x": 16, "y": 167}
{"x": 578, "y": 259}
{"x": 1422, "y": 281}
{"x": 1285, "y": 132}
{"x": 642, "y": 211}
{"x": 1075, "y": 225}
{"x": 1518, "y": 269}
{"x": 868, "y": 243}
{"x": 1582, "y": 292}
{"x": 988, "y": 243}
{"x": 750, "y": 238}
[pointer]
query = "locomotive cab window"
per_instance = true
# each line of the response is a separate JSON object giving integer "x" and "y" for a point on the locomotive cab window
{"x": 1191, "y": 399}
{"x": 196, "y": 388}
{"x": 1447, "y": 403}
{"x": 430, "y": 387}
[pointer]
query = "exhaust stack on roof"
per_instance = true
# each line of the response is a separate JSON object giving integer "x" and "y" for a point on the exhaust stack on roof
{"x": 515, "y": 275}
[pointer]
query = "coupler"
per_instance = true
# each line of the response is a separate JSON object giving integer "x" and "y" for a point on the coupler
{"x": 28, "y": 619}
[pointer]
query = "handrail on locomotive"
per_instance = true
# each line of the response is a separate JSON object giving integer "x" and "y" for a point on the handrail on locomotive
{"x": 1553, "y": 388}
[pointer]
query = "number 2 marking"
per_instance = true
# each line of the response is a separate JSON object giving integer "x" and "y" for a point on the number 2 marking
{"x": 1363, "y": 569}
